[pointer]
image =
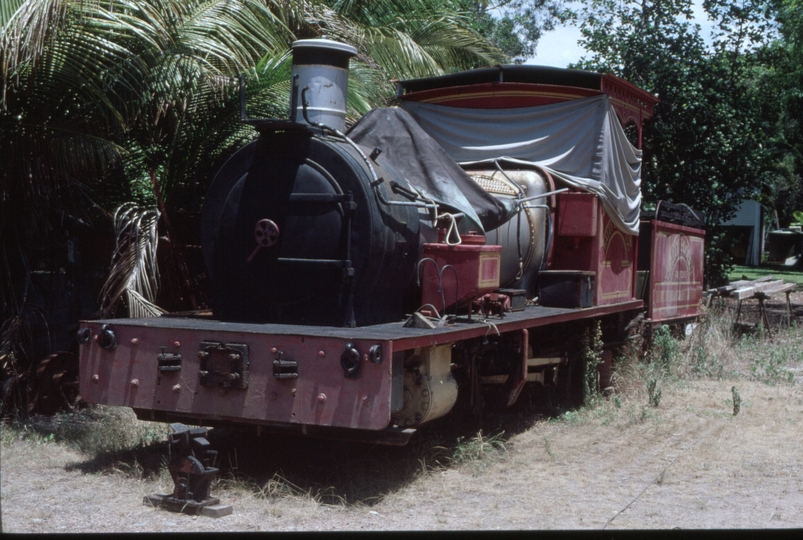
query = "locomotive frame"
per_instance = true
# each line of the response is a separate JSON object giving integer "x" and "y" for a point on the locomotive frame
{"x": 380, "y": 382}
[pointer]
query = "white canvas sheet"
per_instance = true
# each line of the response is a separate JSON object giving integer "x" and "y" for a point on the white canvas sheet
{"x": 581, "y": 142}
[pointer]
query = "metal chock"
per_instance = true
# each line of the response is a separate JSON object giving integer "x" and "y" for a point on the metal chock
{"x": 191, "y": 465}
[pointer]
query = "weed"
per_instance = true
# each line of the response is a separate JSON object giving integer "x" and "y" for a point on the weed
{"x": 108, "y": 436}
{"x": 477, "y": 448}
{"x": 279, "y": 487}
{"x": 591, "y": 355}
{"x": 704, "y": 364}
{"x": 654, "y": 392}
{"x": 664, "y": 350}
{"x": 737, "y": 400}
{"x": 16, "y": 430}
{"x": 772, "y": 368}
{"x": 569, "y": 417}
{"x": 107, "y": 430}
{"x": 548, "y": 448}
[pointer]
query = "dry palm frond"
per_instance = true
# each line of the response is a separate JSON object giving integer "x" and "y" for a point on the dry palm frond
{"x": 134, "y": 274}
{"x": 140, "y": 307}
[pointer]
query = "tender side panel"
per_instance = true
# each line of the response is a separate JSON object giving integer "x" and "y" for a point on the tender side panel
{"x": 239, "y": 375}
{"x": 676, "y": 271}
{"x": 587, "y": 240}
{"x": 617, "y": 264}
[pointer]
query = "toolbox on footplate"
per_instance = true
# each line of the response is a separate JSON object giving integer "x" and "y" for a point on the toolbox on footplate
{"x": 566, "y": 288}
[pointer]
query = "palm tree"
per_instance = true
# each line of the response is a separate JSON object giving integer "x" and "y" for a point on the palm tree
{"x": 416, "y": 38}
{"x": 112, "y": 102}
{"x": 95, "y": 96}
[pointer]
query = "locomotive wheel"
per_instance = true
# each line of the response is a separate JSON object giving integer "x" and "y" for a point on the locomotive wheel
{"x": 56, "y": 386}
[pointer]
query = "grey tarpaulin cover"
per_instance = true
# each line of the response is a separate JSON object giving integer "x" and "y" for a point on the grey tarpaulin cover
{"x": 581, "y": 142}
{"x": 412, "y": 152}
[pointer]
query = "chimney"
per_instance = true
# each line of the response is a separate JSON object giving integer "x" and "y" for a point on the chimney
{"x": 320, "y": 76}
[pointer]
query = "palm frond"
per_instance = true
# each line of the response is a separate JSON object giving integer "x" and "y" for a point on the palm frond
{"x": 18, "y": 336}
{"x": 139, "y": 307}
{"x": 28, "y": 31}
{"x": 7, "y": 10}
{"x": 134, "y": 264}
{"x": 416, "y": 38}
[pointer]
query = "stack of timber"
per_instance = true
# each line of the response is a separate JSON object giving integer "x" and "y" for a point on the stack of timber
{"x": 759, "y": 289}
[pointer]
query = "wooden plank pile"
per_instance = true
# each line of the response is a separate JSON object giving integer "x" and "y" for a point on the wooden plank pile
{"x": 743, "y": 289}
{"x": 758, "y": 289}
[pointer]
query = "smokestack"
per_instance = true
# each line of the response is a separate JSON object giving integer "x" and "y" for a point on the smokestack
{"x": 321, "y": 66}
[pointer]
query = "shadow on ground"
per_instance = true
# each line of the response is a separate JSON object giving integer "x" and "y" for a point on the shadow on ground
{"x": 341, "y": 472}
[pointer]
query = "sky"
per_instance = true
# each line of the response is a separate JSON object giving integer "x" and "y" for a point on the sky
{"x": 559, "y": 48}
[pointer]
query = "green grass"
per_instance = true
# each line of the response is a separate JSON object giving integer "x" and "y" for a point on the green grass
{"x": 789, "y": 276}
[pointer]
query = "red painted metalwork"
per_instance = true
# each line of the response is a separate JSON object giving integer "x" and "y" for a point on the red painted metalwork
{"x": 676, "y": 271}
{"x": 577, "y": 214}
{"x": 588, "y": 240}
{"x": 460, "y": 273}
{"x": 515, "y": 383}
{"x": 632, "y": 104}
{"x": 500, "y": 95}
{"x": 129, "y": 376}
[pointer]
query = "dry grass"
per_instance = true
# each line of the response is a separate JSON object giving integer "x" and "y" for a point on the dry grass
{"x": 713, "y": 350}
{"x": 620, "y": 462}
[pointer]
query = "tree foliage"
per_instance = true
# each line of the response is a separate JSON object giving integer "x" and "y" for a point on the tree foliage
{"x": 708, "y": 144}
{"x": 515, "y": 26}
{"x": 782, "y": 84}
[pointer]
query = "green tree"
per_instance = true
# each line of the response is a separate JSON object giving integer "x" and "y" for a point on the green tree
{"x": 781, "y": 82}
{"x": 515, "y": 26}
{"x": 706, "y": 145}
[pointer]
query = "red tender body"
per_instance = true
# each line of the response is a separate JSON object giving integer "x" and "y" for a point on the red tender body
{"x": 460, "y": 273}
{"x": 675, "y": 279}
{"x": 586, "y": 239}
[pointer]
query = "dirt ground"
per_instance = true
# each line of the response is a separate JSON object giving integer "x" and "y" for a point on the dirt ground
{"x": 689, "y": 463}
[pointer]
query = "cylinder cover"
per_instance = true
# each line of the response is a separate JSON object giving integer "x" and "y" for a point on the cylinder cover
{"x": 430, "y": 391}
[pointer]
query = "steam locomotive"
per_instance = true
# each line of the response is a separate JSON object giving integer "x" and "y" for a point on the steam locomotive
{"x": 362, "y": 280}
